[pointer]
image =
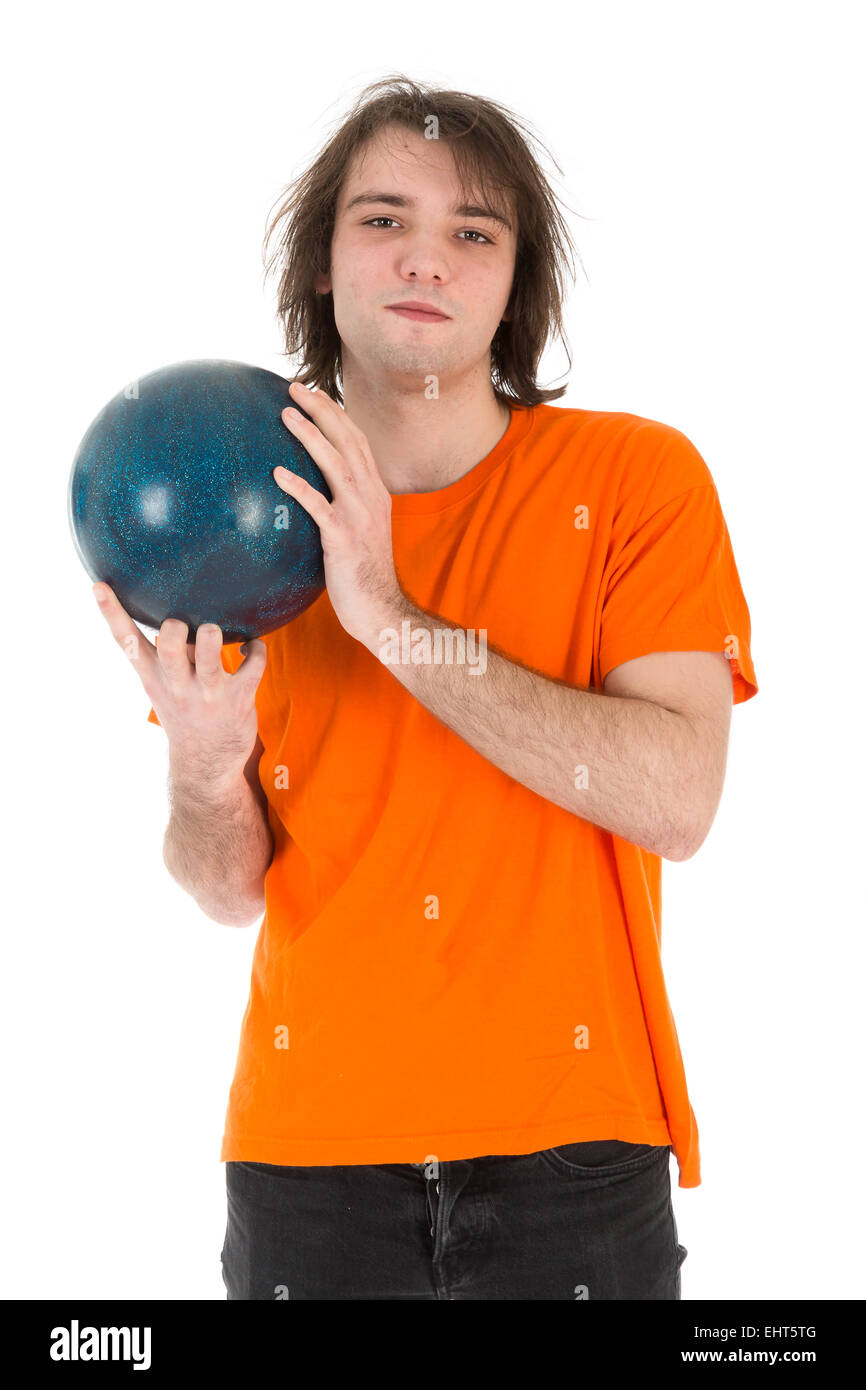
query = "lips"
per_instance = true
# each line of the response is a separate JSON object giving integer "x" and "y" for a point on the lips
{"x": 428, "y": 311}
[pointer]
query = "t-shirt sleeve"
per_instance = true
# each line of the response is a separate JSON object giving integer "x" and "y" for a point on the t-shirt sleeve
{"x": 671, "y": 580}
{"x": 232, "y": 657}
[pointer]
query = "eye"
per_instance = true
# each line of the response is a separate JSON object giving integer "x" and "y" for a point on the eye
{"x": 471, "y": 231}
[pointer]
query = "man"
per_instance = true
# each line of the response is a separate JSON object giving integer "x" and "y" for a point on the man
{"x": 450, "y": 782}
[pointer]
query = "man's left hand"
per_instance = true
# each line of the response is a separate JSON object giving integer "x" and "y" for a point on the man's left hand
{"x": 356, "y": 526}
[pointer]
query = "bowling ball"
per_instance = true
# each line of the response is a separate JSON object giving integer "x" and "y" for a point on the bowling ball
{"x": 172, "y": 501}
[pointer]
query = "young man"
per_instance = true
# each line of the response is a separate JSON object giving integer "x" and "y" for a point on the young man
{"x": 451, "y": 781}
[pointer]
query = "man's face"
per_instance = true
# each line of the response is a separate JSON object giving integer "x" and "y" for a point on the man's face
{"x": 412, "y": 245}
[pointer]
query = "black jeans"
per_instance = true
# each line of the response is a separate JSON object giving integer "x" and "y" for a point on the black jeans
{"x": 582, "y": 1221}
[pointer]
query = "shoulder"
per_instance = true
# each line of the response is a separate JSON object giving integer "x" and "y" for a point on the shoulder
{"x": 631, "y": 455}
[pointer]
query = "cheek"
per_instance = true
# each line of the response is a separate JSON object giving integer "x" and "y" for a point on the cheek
{"x": 358, "y": 265}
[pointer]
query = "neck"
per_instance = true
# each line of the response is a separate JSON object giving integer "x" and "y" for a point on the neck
{"x": 423, "y": 445}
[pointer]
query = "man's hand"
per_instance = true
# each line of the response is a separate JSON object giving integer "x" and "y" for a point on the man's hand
{"x": 356, "y": 526}
{"x": 208, "y": 714}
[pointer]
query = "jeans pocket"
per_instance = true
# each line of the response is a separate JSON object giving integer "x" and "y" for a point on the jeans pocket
{"x": 602, "y": 1157}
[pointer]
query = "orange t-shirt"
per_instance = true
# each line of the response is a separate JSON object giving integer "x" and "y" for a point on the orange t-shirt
{"x": 449, "y": 965}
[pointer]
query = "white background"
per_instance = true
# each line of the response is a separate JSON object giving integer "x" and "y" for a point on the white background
{"x": 714, "y": 152}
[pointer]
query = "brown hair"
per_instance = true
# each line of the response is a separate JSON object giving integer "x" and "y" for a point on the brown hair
{"x": 490, "y": 152}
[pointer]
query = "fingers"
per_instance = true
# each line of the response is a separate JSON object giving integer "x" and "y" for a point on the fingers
{"x": 208, "y": 648}
{"x": 182, "y": 660}
{"x": 330, "y": 418}
{"x": 124, "y": 631}
{"x": 339, "y": 448}
{"x": 316, "y": 437}
{"x": 309, "y": 497}
{"x": 253, "y": 665}
{"x": 173, "y": 654}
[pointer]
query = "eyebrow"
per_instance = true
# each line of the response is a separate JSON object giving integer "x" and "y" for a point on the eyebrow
{"x": 397, "y": 200}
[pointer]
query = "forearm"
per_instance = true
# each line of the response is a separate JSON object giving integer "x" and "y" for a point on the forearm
{"x": 622, "y": 764}
{"x": 218, "y": 846}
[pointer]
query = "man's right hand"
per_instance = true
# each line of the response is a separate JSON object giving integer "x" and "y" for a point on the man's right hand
{"x": 208, "y": 714}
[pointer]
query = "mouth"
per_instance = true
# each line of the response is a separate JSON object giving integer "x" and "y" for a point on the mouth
{"x": 424, "y": 313}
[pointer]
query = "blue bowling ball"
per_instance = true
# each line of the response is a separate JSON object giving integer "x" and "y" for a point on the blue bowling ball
{"x": 172, "y": 501}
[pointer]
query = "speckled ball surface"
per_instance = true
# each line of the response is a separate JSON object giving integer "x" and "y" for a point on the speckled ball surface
{"x": 172, "y": 501}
